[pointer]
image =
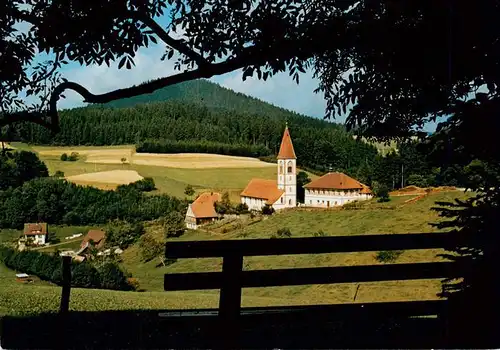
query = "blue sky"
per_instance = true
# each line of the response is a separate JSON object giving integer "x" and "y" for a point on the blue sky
{"x": 279, "y": 90}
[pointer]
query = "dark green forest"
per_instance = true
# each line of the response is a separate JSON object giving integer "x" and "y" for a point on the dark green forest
{"x": 200, "y": 116}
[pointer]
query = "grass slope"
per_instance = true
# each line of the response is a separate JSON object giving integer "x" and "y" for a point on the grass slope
{"x": 373, "y": 218}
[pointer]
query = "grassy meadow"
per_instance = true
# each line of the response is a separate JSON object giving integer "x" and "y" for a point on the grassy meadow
{"x": 393, "y": 217}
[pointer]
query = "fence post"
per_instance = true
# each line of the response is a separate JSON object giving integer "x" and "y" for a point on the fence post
{"x": 230, "y": 298}
{"x": 66, "y": 284}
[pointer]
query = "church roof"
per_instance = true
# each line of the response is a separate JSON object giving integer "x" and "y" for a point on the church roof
{"x": 337, "y": 181}
{"x": 203, "y": 206}
{"x": 286, "y": 148}
{"x": 263, "y": 189}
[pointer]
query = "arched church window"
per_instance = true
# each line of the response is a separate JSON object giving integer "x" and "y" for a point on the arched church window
{"x": 290, "y": 167}
{"x": 290, "y": 202}
{"x": 281, "y": 168}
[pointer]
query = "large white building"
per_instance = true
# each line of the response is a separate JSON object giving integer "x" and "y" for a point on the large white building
{"x": 335, "y": 189}
{"x": 281, "y": 193}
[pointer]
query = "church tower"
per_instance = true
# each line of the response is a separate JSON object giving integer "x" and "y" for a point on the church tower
{"x": 287, "y": 170}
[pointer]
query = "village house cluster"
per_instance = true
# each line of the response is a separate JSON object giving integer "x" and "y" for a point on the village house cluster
{"x": 331, "y": 190}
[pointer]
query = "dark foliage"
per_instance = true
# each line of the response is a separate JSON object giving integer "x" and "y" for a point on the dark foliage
{"x": 123, "y": 234}
{"x": 267, "y": 210}
{"x": 18, "y": 167}
{"x": 169, "y": 146}
{"x": 57, "y": 201}
{"x": 173, "y": 224}
{"x": 302, "y": 179}
{"x": 106, "y": 275}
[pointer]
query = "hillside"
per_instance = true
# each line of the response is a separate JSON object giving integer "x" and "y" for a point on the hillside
{"x": 208, "y": 94}
{"x": 205, "y": 112}
{"x": 393, "y": 217}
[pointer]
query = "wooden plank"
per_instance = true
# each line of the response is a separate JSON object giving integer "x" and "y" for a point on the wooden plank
{"x": 315, "y": 275}
{"x": 66, "y": 284}
{"x": 308, "y": 245}
{"x": 230, "y": 300}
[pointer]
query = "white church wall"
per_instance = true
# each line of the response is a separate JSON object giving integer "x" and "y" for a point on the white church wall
{"x": 287, "y": 181}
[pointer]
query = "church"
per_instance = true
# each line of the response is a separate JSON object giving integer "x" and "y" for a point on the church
{"x": 330, "y": 190}
{"x": 280, "y": 193}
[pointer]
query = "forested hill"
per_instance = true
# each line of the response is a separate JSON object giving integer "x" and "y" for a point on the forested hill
{"x": 208, "y": 94}
{"x": 205, "y": 117}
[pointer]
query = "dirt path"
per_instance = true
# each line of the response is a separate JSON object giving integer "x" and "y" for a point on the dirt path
{"x": 58, "y": 244}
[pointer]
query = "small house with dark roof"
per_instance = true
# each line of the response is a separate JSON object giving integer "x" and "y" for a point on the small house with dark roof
{"x": 202, "y": 210}
{"x": 35, "y": 233}
{"x": 335, "y": 189}
{"x": 280, "y": 193}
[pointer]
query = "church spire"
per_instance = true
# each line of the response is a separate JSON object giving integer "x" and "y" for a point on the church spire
{"x": 286, "y": 148}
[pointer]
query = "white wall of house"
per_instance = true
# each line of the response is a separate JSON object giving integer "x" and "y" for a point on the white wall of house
{"x": 287, "y": 181}
{"x": 37, "y": 239}
{"x": 326, "y": 198}
{"x": 253, "y": 203}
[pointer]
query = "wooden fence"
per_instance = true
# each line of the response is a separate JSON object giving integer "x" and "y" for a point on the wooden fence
{"x": 233, "y": 278}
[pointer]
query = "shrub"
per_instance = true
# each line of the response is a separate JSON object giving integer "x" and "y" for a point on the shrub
{"x": 386, "y": 256}
{"x": 123, "y": 234}
{"x": 174, "y": 224}
{"x": 241, "y": 208}
{"x": 59, "y": 173}
{"x": 145, "y": 185}
{"x": 73, "y": 157}
{"x": 150, "y": 247}
{"x": 284, "y": 233}
{"x": 64, "y": 157}
{"x": 267, "y": 210}
{"x": 189, "y": 191}
{"x": 112, "y": 277}
{"x": 381, "y": 191}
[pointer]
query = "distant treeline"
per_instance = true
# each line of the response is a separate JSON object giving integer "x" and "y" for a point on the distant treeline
{"x": 171, "y": 146}
{"x": 57, "y": 201}
{"x": 102, "y": 274}
{"x": 318, "y": 144}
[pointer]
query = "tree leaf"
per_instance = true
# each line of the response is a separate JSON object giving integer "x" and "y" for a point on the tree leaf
{"x": 122, "y": 62}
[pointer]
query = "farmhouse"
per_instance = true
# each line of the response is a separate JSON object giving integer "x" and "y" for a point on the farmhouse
{"x": 96, "y": 236}
{"x": 36, "y": 233}
{"x": 334, "y": 189}
{"x": 202, "y": 210}
{"x": 280, "y": 193}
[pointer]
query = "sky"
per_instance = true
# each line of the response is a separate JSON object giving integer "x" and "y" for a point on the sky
{"x": 280, "y": 90}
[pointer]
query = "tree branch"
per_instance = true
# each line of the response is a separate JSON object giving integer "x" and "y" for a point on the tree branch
{"x": 206, "y": 71}
{"x": 179, "y": 45}
{"x": 33, "y": 117}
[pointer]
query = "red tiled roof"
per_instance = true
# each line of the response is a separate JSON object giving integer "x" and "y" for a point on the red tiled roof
{"x": 286, "y": 148}
{"x": 263, "y": 189}
{"x": 35, "y": 229}
{"x": 203, "y": 206}
{"x": 95, "y": 235}
{"x": 366, "y": 189}
{"x": 338, "y": 181}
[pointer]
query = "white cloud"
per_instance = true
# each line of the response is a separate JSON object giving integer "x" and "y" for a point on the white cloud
{"x": 279, "y": 90}
{"x": 101, "y": 79}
